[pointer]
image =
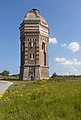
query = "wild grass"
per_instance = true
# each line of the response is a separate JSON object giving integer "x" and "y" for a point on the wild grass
{"x": 56, "y": 99}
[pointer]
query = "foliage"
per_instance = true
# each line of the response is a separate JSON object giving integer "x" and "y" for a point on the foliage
{"x": 42, "y": 100}
{"x": 53, "y": 75}
{"x": 5, "y": 73}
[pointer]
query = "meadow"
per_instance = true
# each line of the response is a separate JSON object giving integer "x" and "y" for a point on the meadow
{"x": 54, "y": 99}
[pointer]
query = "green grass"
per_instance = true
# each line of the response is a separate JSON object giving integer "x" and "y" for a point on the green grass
{"x": 56, "y": 99}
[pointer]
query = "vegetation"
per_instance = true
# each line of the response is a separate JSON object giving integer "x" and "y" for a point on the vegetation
{"x": 55, "y": 99}
{"x": 53, "y": 75}
{"x": 5, "y": 76}
{"x": 5, "y": 73}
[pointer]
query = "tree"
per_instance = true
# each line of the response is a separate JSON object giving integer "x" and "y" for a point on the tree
{"x": 5, "y": 73}
{"x": 53, "y": 75}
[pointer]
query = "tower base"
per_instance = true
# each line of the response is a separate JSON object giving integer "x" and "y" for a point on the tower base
{"x": 34, "y": 72}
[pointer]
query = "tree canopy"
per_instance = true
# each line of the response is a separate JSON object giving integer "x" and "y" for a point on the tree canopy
{"x": 5, "y": 73}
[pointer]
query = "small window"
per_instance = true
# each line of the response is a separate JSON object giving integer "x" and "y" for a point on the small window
{"x": 43, "y": 46}
{"x": 30, "y": 55}
{"x": 44, "y": 58}
{"x": 33, "y": 55}
{"x": 31, "y": 44}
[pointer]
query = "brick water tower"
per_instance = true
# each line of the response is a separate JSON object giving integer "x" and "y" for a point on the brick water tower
{"x": 34, "y": 40}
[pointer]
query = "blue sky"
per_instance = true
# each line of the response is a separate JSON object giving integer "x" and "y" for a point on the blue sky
{"x": 64, "y": 19}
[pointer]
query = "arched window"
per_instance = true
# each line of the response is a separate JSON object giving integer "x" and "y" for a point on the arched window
{"x": 44, "y": 53}
{"x": 43, "y": 46}
{"x": 44, "y": 58}
{"x": 30, "y": 56}
{"x": 33, "y": 55}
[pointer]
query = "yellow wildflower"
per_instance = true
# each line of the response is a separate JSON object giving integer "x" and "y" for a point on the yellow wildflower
{"x": 1, "y": 96}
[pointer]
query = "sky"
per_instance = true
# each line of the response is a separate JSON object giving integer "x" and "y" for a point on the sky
{"x": 64, "y": 20}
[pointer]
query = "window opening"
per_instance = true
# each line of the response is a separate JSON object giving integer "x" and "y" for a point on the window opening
{"x": 31, "y": 44}
{"x": 30, "y": 55}
{"x": 33, "y": 55}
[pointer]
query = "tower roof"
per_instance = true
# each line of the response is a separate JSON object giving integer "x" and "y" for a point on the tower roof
{"x": 34, "y": 14}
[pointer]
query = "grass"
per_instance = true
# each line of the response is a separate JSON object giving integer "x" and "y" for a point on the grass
{"x": 56, "y": 99}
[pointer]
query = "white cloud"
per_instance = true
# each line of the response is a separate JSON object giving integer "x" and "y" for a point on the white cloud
{"x": 74, "y": 46}
{"x": 61, "y": 59}
{"x": 65, "y": 61}
{"x": 63, "y": 45}
{"x": 53, "y": 40}
{"x": 68, "y": 66}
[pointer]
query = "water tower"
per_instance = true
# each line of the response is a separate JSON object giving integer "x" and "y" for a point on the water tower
{"x": 34, "y": 40}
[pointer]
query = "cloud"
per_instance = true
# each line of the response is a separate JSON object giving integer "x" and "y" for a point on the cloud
{"x": 73, "y": 46}
{"x": 63, "y": 45}
{"x": 68, "y": 66}
{"x": 61, "y": 59}
{"x": 65, "y": 61}
{"x": 53, "y": 40}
